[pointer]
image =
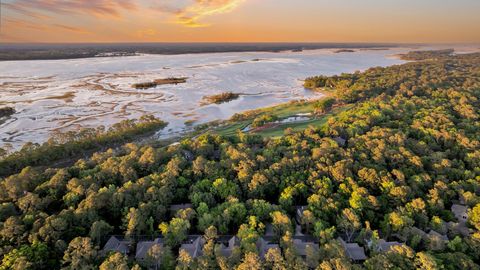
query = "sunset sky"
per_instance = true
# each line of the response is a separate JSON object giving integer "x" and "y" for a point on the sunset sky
{"x": 240, "y": 21}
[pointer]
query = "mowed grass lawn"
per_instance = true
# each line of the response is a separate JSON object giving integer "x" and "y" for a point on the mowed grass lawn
{"x": 281, "y": 111}
{"x": 316, "y": 122}
{"x": 232, "y": 129}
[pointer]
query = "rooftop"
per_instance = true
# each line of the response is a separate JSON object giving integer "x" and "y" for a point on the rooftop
{"x": 386, "y": 246}
{"x": 176, "y": 207}
{"x": 194, "y": 249}
{"x": 353, "y": 250}
{"x": 118, "y": 244}
{"x": 433, "y": 233}
{"x": 301, "y": 246}
{"x": 460, "y": 212}
{"x": 144, "y": 246}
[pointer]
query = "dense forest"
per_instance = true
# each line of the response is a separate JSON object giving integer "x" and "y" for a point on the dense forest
{"x": 71, "y": 144}
{"x": 392, "y": 182}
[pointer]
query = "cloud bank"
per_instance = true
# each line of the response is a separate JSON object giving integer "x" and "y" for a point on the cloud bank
{"x": 192, "y": 14}
{"x": 86, "y": 7}
{"x": 185, "y": 12}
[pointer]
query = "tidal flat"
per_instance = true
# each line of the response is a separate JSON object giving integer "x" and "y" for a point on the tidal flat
{"x": 62, "y": 95}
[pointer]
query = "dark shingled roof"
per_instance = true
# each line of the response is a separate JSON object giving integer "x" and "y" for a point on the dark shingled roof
{"x": 144, "y": 246}
{"x": 194, "y": 249}
{"x": 117, "y": 244}
{"x": 353, "y": 250}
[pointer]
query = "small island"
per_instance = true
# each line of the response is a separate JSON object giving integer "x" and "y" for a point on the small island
{"x": 6, "y": 111}
{"x": 220, "y": 98}
{"x": 157, "y": 82}
{"x": 344, "y": 51}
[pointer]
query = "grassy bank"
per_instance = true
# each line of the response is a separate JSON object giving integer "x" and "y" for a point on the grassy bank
{"x": 242, "y": 120}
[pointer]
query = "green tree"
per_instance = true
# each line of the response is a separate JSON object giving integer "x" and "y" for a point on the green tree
{"x": 349, "y": 223}
{"x": 115, "y": 261}
{"x": 208, "y": 259}
{"x": 184, "y": 261}
{"x": 425, "y": 261}
{"x": 251, "y": 261}
{"x": 336, "y": 264}
{"x": 98, "y": 230}
{"x": 154, "y": 256}
{"x": 35, "y": 256}
{"x": 274, "y": 260}
{"x": 80, "y": 255}
{"x": 324, "y": 105}
{"x": 248, "y": 234}
{"x": 281, "y": 223}
{"x": 175, "y": 232}
{"x": 474, "y": 216}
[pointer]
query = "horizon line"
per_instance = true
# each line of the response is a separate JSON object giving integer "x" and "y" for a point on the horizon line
{"x": 253, "y": 42}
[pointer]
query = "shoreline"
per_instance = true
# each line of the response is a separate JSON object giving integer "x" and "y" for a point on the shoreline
{"x": 26, "y": 52}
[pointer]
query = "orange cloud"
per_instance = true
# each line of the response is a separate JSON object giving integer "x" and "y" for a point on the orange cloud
{"x": 189, "y": 13}
{"x": 147, "y": 33}
{"x": 72, "y": 28}
{"x": 97, "y": 7}
{"x": 18, "y": 23}
{"x": 14, "y": 23}
{"x": 23, "y": 11}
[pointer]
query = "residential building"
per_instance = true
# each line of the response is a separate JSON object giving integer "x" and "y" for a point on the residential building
{"x": 227, "y": 249}
{"x": 460, "y": 212}
{"x": 353, "y": 250}
{"x": 193, "y": 246}
{"x": 117, "y": 244}
{"x": 144, "y": 246}
{"x": 264, "y": 246}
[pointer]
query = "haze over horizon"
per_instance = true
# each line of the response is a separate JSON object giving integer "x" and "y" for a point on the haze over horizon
{"x": 110, "y": 21}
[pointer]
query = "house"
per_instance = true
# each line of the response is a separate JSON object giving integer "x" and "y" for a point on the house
{"x": 460, "y": 212}
{"x": 459, "y": 228}
{"x": 144, "y": 246}
{"x": 436, "y": 241}
{"x": 117, "y": 244}
{"x": 417, "y": 231}
{"x": 408, "y": 232}
{"x": 264, "y": 246}
{"x": 299, "y": 213}
{"x": 384, "y": 246}
{"x": 193, "y": 246}
{"x": 301, "y": 247}
{"x": 442, "y": 237}
{"x": 174, "y": 208}
{"x": 340, "y": 141}
{"x": 189, "y": 156}
{"x": 353, "y": 250}
{"x": 269, "y": 232}
{"x": 227, "y": 250}
{"x": 298, "y": 230}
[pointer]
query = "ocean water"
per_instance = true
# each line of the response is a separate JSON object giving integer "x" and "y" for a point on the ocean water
{"x": 61, "y": 95}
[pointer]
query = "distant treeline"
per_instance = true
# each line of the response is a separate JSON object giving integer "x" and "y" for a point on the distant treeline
{"x": 71, "y": 51}
{"x": 360, "y": 86}
{"x": 427, "y": 55}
